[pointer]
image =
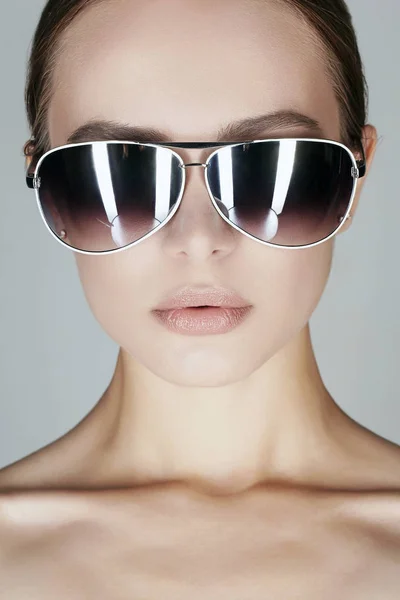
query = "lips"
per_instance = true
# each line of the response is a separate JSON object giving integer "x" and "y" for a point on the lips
{"x": 202, "y": 321}
{"x": 203, "y": 297}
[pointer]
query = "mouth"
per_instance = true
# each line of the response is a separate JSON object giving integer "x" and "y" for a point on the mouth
{"x": 194, "y": 297}
{"x": 202, "y": 307}
{"x": 205, "y": 306}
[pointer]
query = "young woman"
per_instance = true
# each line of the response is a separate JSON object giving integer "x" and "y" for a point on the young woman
{"x": 199, "y": 159}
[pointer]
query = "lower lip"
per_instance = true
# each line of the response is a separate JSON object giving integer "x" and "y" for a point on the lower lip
{"x": 202, "y": 321}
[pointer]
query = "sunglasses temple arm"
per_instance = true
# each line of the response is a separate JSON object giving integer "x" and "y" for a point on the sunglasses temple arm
{"x": 29, "y": 180}
{"x": 361, "y": 164}
{"x": 361, "y": 167}
{"x": 30, "y": 174}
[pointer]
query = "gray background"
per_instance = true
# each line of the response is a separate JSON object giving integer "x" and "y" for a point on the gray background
{"x": 55, "y": 361}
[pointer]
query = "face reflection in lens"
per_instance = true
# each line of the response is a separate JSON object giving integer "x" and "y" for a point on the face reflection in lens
{"x": 104, "y": 196}
{"x": 286, "y": 192}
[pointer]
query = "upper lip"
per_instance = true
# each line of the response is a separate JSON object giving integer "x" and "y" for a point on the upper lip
{"x": 203, "y": 296}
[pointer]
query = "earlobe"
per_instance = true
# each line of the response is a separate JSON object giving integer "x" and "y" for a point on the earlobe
{"x": 28, "y": 162}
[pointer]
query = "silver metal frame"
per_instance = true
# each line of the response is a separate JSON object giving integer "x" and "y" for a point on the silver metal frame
{"x": 358, "y": 171}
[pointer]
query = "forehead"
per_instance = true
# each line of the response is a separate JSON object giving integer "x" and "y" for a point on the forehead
{"x": 188, "y": 67}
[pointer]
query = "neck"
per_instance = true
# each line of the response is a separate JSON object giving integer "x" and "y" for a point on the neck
{"x": 276, "y": 425}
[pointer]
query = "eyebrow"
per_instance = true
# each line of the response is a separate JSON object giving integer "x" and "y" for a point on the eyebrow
{"x": 243, "y": 130}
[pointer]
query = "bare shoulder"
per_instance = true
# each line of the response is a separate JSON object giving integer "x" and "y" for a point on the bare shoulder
{"x": 59, "y": 464}
{"x": 39, "y": 534}
{"x": 372, "y": 504}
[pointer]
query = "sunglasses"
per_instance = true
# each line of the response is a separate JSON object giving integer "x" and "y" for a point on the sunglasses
{"x": 106, "y": 196}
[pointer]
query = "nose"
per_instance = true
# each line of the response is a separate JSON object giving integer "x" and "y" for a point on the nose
{"x": 197, "y": 231}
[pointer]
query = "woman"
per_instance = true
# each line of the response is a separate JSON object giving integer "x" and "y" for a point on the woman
{"x": 216, "y": 464}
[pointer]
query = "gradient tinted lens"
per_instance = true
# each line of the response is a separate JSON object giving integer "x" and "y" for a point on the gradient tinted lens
{"x": 285, "y": 192}
{"x": 106, "y": 195}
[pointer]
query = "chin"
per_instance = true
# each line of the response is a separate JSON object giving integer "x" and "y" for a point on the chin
{"x": 204, "y": 367}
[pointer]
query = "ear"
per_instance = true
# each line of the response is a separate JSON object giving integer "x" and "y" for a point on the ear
{"x": 369, "y": 142}
{"x": 29, "y": 152}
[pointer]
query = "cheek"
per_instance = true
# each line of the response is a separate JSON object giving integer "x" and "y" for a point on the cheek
{"x": 288, "y": 285}
{"x": 116, "y": 289}
{"x": 294, "y": 287}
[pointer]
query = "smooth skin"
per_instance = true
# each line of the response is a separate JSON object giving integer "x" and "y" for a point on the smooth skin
{"x": 216, "y": 466}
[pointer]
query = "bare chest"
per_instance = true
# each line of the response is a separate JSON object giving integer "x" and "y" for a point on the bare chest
{"x": 175, "y": 551}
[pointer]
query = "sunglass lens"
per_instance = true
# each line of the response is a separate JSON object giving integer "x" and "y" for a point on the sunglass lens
{"x": 103, "y": 196}
{"x": 286, "y": 192}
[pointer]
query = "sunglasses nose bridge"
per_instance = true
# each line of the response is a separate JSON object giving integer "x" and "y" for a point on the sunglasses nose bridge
{"x": 193, "y": 165}
{"x": 196, "y": 164}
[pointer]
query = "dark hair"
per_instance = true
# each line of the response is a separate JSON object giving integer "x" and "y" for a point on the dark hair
{"x": 330, "y": 20}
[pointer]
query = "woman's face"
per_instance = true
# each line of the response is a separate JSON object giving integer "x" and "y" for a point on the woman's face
{"x": 189, "y": 67}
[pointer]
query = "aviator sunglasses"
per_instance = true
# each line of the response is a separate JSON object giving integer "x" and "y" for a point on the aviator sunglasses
{"x": 106, "y": 196}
